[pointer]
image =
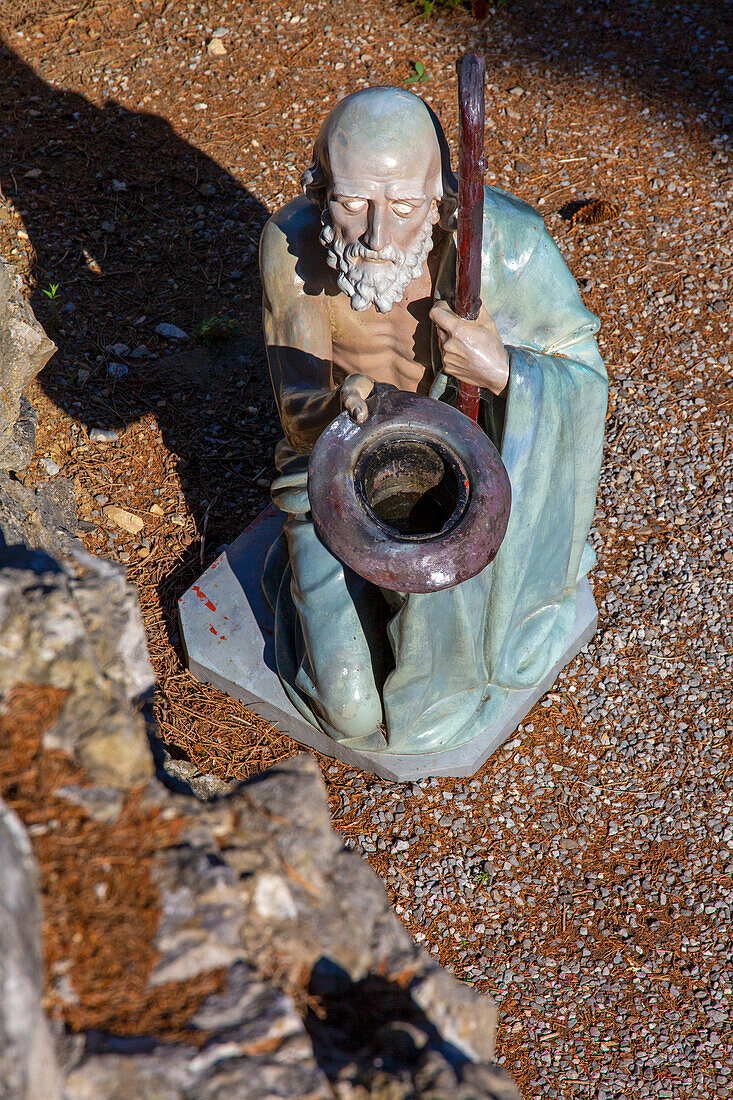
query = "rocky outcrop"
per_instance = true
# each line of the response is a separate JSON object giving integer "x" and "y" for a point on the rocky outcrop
{"x": 260, "y": 884}
{"x": 24, "y": 351}
{"x": 41, "y": 516}
{"x": 28, "y": 1068}
{"x": 77, "y": 627}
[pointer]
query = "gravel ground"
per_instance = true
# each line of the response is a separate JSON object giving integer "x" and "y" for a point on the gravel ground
{"x": 584, "y": 877}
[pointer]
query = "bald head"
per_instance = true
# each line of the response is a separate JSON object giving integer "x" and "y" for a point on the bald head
{"x": 391, "y": 132}
{"x": 380, "y": 174}
{"x": 388, "y": 130}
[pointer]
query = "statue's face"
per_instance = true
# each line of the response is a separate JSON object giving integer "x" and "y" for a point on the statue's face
{"x": 381, "y": 201}
{"x": 377, "y": 224}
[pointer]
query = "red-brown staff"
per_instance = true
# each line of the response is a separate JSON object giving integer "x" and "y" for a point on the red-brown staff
{"x": 471, "y": 114}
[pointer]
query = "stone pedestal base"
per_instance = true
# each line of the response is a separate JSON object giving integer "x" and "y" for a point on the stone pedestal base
{"x": 227, "y": 631}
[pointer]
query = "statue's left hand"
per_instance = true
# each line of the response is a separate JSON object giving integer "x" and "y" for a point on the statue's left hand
{"x": 473, "y": 351}
{"x": 354, "y": 391}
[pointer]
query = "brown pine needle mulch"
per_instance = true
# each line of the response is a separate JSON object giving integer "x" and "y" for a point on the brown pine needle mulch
{"x": 100, "y": 906}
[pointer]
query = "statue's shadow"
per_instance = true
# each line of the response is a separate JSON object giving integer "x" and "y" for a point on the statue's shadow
{"x": 137, "y": 227}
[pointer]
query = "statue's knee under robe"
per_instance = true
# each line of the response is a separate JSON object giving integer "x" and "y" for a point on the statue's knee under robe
{"x": 374, "y": 667}
{"x": 340, "y": 642}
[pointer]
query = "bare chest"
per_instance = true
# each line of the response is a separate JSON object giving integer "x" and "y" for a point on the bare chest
{"x": 387, "y": 347}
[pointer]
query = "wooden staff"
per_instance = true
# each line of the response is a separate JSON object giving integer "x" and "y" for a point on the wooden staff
{"x": 471, "y": 113}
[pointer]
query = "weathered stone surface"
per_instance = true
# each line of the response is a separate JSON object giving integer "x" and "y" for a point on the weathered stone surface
{"x": 466, "y": 1021}
{"x": 101, "y": 803}
{"x": 261, "y": 875}
{"x": 336, "y": 921}
{"x": 430, "y": 1077}
{"x": 44, "y": 516}
{"x": 114, "y": 749}
{"x": 202, "y": 914}
{"x": 28, "y": 1069}
{"x": 261, "y": 1048}
{"x": 79, "y": 629}
{"x": 111, "y": 614}
{"x": 162, "y": 1075}
{"x": 280, "y": 1074}
{"x": 20, "y": 440}
{"x": 189, "y": 778}
{"x": 24, "y": 351}
{"x": 437, "y": 1079}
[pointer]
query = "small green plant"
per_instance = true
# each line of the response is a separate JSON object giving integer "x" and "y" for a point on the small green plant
{"x": 478, "y": 8}
{"x": 426, "y": 7}
{"x": 217, "y": 330}
{"x": 52, "y": 293}
{"x": 419, "y": 74}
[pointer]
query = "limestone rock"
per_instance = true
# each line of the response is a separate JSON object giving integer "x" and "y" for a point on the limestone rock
{"x": 120, "y": 517}
{"x": 257, "y": 883}
{"x": 114, "y": 626}
{"x": 115, "y": 751}
{"x": 103, "y": 435}
{"x": 344, "y": 928}
{"x": 261, "y": 876}
{"x": 103, "y": 804}
{"x": 162, "y": 1075}
{"x": 260, "y": 1043}
{"x": 28, "y": 1069}
{"x": 79, "y": 629}
{"x": 24, "y": 351}
{"x": 44, "y": 516}
{"x": 202, "y": 914}
{"x": 437, "y": 1078}
{"x": 20, "y": 441}
{"x": 189, "y": 779}
{"x": 464, "y": 1020}
{"x": 171, "y": 332}
{"x": 279, "y": 1075}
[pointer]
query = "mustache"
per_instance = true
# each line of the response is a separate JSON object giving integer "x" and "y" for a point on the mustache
{"x": 359, "y": 251}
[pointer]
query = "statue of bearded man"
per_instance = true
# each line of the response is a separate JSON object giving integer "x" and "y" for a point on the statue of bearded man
{"x": 357, "y": 276}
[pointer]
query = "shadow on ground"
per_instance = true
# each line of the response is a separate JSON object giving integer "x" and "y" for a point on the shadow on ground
{"x": 139, "y": 228}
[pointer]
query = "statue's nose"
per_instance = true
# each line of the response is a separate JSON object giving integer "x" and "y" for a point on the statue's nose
{"x": 376, "y": 233}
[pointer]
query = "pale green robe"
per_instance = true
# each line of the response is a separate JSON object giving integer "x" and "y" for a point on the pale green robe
{"x": 424, "y": 672}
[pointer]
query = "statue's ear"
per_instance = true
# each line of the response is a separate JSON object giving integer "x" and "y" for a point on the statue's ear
{"x": 447, "y": 207}
{"x": 314, "y": 184}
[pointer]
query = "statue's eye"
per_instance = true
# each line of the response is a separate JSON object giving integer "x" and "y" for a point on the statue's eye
{"x": 404, "y": 209}
{"x": 354, "y": 206}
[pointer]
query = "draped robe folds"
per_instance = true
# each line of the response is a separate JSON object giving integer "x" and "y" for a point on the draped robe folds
{"x": 424, "y": 672}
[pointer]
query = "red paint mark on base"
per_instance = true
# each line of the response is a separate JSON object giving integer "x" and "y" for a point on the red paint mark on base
{"x": 212, "y": 629}
{"x": 202, "y": 596}
{"x": 266, "y": 514}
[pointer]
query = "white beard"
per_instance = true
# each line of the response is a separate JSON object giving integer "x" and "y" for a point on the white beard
{"x": 380, "y": 284}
